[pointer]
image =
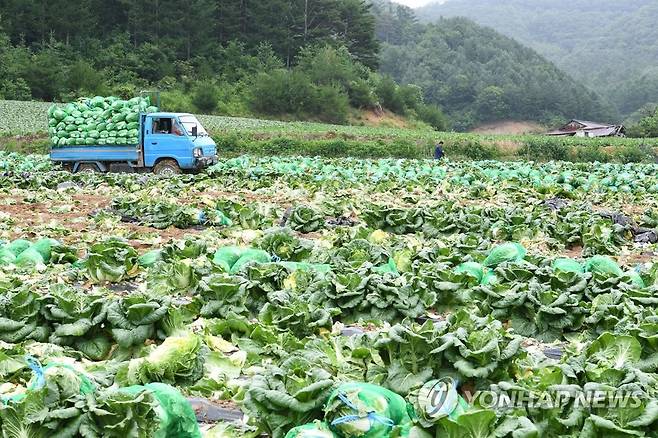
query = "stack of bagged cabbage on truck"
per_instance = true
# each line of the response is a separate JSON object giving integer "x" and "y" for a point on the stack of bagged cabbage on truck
{"x": 97, "y": 121}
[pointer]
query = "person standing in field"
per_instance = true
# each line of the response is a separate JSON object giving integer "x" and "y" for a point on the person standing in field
{"x": 438, "y": 151}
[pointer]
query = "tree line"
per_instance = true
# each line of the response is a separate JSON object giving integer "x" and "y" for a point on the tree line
{"x": 301, "y": 59}
{"x": 307, "y": 59}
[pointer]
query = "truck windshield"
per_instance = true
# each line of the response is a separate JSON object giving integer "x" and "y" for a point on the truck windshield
{"x": 189, "y": 122}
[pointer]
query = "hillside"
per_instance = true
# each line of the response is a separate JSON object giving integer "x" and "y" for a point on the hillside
{"x": 476, "y": 74}
{"x": 612, "y": 47}
{"x": 264, "y": 59}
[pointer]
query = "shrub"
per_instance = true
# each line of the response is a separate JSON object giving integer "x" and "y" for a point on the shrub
{"x": 85, "y": 79}
{"x": 284, "y": 92}
{"x": 176, "y": 101}
{"x": 204, "y": 97}
{"x": 361, "y": 94}
{"x": 473, "y": 150}
{"x": 389, "y": 96}
{"x": 433, "y": 116}
{"x": 634, "y": 154}
{"x": 330, "y": 104}
{"x": 589, "y": 154}
{"x": 544, "y": 148}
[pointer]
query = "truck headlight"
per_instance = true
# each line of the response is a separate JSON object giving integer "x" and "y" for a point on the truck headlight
{"x": 197, "y": 153}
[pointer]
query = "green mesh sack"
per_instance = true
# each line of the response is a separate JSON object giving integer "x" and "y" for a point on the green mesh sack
{"x": 636, "y": 278}
{"x": 6, "y": 257}
{"x": 568, "y": 265}
{"x": 177, "y": 418}
{"x": 227, "y": 256}
{"x": 117, "y": 105}
{"x": 121, "y": 126}
{"x": 59, "y": 114}
{"x": 603, "y": 265}
{"x": 473, "y": 269}
{"x": 489, "y": 278}
{"x": 507, "y": 252}
{"x": 150, "y": 258}
{"x": 300, "y": 266}
{"x": 133, "y": 140}
{"x": 18, "y": 246}
{"x": 44, "y": 247}
{"x": 97, "y": 101}
{"x": 389, "y": 267}
{"x": 152, "y": 109}
{"x": 368, "y": 411}
{"x": 250, "y": 256}
{"x": 133, "y": 117}
{"x": 317, "y": 429}
{"x": 118, "y": 117}
{"x": 29, "y": 258}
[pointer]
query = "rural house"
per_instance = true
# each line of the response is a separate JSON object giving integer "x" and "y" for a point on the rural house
{"x": 582, "y": 128}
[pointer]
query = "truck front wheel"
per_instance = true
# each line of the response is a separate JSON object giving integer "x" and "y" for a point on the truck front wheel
{"x": 167, "y": 168}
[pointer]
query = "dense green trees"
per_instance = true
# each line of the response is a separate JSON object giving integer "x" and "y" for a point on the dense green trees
{"x": 609, "y": 45}
{"x": 647, "y": 125}
{"x": 311, "y": 59}
{"x": 476, "y": 74}
{"x": 139, "y": 42}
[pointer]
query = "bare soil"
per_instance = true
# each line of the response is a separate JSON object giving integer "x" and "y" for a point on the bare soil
{"x": 509, "y": 127}
{"x": 27, "y": 214}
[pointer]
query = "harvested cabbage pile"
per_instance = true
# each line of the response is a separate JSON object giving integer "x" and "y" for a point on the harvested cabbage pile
{"x": 97, "y": 121}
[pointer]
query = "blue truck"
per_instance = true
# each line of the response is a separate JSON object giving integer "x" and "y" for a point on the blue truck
{"x": 169, "y": 144}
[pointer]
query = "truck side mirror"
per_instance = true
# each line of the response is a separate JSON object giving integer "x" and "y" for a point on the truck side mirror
{"x": 194, "y": 131}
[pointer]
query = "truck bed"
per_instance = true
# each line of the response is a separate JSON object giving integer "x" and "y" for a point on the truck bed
{"x": 122, "y": 153}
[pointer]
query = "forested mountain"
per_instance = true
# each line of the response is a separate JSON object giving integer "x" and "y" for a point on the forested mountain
{"x": 610, "y": 45}
{"x": 477, "y": 74}
{"x": 308, "y": 59}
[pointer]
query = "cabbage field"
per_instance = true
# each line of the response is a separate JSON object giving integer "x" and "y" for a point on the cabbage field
{"x": 274, "y": 288}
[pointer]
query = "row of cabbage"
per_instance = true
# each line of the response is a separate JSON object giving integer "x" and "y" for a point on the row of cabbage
{"x": 144, "y": 337}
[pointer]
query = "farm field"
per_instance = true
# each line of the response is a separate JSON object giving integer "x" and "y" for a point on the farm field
{"x": 266, "y": 283}
{"x": 265, "y": 137}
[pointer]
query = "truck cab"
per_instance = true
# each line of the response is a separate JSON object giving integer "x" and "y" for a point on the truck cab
{"x": 168, "y": 144}
{"x": 174, "y": 141}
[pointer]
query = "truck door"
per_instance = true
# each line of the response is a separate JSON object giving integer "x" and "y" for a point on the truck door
{"x": 165, "y": 138}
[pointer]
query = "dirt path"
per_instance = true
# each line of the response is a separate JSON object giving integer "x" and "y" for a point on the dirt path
{"x": 76, "y": 217}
